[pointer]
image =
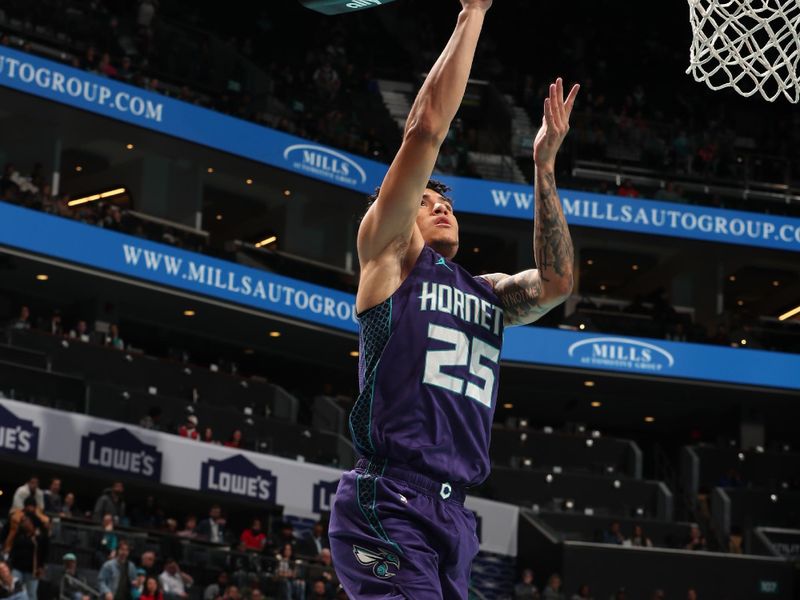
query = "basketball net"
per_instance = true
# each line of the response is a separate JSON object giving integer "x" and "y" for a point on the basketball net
{"x": 752, "y": 46}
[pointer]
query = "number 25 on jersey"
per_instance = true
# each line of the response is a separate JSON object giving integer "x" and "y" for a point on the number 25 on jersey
{"x": 464, "y": 353}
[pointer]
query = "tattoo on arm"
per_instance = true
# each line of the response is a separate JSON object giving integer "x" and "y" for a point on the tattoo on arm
{"x": 529, "y": 295}
{"x": 521, "y": 296}
{"x": 552, "y": 245}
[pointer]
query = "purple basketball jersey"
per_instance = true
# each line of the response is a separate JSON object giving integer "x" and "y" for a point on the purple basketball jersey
{"x": 428, "y": 373}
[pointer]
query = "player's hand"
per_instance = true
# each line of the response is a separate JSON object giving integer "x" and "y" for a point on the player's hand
{"x": 555, "y": 124}
{"x": 483, "y": 5}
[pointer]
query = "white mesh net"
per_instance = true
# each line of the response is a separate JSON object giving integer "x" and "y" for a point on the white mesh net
{"x": 752, "y": 46}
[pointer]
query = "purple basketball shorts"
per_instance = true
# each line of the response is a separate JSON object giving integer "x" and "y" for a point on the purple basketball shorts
{"x": 397, "y": 534}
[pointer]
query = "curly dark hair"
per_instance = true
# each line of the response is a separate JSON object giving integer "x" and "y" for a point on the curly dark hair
{"x": 433, "y": 184}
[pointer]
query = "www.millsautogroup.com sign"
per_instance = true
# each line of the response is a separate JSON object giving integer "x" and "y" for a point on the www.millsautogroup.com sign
{"x": 305, "y": 302}
{"x": 100, "y": 95}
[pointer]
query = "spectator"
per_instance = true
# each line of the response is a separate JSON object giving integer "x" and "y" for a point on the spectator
{"x": 11, "y": 587}
{"x": 735, "y": 541}
{"x": 152, "y": 420}
{"x": 68, "y": 508}
{"x": 235, "y": 440}
{"x": 147, "y": 516}
{"x": 55, "y": 326}
{"x": 319, "y": 590}
{"x": 639, "y": 538}
{"x": 52, "y": 497}
{"x": 696, "y": 539}
{"x": 217, "y": 589}
{"x": 670, "y": 193}
{"x": 212, "y": 528}
{"x": 286, "y": 535}
{"x": 322, "y": 568}
{"x": 583, "y": 593}
{"x": 27, "y": 550}
{"x": 24, "y": 184}
{"x": 189, "y": 528}
{"x": 90, "y": 59}
{"x": 231, "y": 593}
{"x": 174, "y": 581}
{"x": 107, "y": 546}
{"x": 71, "y": 584}
{"x": 145, "y": 16}
{"x": 137, "y": 589}
{"x": 327, "y": 81}
{"x": 256, "y": 594}
{"x": 620, "y": 594}
{"x": 314, "y": 541}
{"x": 113, "y": 339}
{"x": 148, "y": 563}
{"x": 171, "y": 544}
{"x": 286, "y": 574}
{"x": 657, "y": 595}
{"x": 81, "y": 332}
{"x": 691, "y": 594}
{"x": 31, "y": 488}
{"x": 13, "y": 526}
{"x": 105, "y": 67}
{"x": 253, "y": 538}
{"x": 208, "y": 436}
{"x": 152, "y": 591}
{"x": 117, "y": 575}
{"x": 627, "y": 189}
{"x": 553, "y": 589}
{"x": 525, "y": 589}
{"x": 111, "y": 502}
{"x": 614, "y": 534}
{"x": 125, "y": 72}
{"x": 189, "y": 429}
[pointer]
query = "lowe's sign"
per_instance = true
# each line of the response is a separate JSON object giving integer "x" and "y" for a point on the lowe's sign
{"x": 18, "y": 436}
{"x": 121, "y": 453}
{"x": 238, "y": 476}
{"x": 86, "y": 91}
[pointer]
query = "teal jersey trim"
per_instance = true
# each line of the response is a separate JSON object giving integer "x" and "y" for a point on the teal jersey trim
{"x": 367, "y": 499}
{"x": 376, "y": 329}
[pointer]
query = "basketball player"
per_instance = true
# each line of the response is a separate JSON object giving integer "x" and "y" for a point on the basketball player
{"x": 429, "y": 350}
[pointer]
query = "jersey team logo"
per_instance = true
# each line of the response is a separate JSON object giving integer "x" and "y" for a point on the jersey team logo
{"x": 380, "y": 560}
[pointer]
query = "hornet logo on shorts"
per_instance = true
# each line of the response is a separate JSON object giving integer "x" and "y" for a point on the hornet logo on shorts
{"x": 379, "y": 560}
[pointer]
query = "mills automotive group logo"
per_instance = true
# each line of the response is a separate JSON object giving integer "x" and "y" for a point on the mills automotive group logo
{"x": 239, "y": 477}
{"x": 121, "y": 452}
{"x": 18, "y": 436}
{"x": 622, "y": 353}
{"x": 325, "y": 163}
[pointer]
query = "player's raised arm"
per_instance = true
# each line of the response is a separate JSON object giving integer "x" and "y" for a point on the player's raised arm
{"x": 530, "y": 294}
{"x": 389, "y": 223}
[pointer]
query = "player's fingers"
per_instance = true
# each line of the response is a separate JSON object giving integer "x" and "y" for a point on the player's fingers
{"x": 573, "y": 93}
{"x": 548, "y": 115}
{"x": 562, "y": 115}
{"x": 553, "y": 103}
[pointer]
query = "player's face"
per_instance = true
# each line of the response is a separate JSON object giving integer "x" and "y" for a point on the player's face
{"x": 437, "y": 224}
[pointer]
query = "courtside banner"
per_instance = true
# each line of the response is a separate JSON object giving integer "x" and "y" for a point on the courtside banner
{"x": 659, "y": 358}
{"x": 76, "y": 440}
{"x": 86, "y": 91}
{"x": 126, "y": 255}
{"x": 120, "y": 254}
